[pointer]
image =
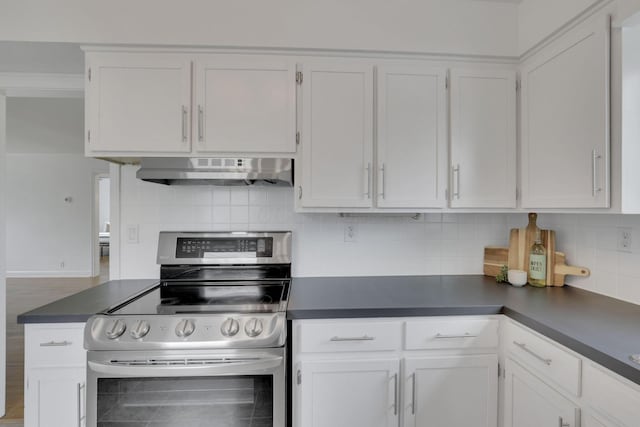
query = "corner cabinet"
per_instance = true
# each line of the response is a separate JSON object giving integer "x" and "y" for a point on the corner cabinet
{"x": 483, "y": 139}
{"x": 565, "y": 121}
{"x": 55, "y": 375}
{"x": 337, "y": 135}
{"x": 138, "y": 103}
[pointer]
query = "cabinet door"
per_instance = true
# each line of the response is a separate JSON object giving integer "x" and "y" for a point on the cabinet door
{"x": 483, "y": 139}
{"x": 55, "y": 397}
{"x": 437, "y": 388}
{"x": 337, "y": 139}
{"x": 245, "y": 105}
{"x": 593, "y": 420}
{"x": 565, "y": 122}
{"x": 348, "y": 393}
{"x": 531, "y": 403}
{"x": 412, "y": 137}
{"x": 138, "y": 103}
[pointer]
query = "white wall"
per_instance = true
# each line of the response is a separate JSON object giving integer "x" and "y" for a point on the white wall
{"x": 45, "y": 165}
{"x": 3, "y": 255}
{"x": 449, "y": 26}
{"x": 104, "y": 194}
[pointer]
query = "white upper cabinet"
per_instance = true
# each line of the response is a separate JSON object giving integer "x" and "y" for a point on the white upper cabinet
{"x": 411, "y": 137}
{"x": 138, "y": 103}
{"x": 483, "y": 138}
{"x": 337, "y": 135}
{"x": 244, "y": 104}
{"x": 565, "y": 121}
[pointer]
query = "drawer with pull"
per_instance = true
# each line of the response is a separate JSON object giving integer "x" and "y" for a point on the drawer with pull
{"x": 451, "y": 333}
{"x": 347, "y": 335}
{"x": 60, "y": 344}
{"x": 544, "y": 357}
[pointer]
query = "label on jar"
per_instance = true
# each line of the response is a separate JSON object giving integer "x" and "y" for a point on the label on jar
{"x": 538, "y": 267}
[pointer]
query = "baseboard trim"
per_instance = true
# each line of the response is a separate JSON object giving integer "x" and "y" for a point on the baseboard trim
{"x": 16, "y": 274}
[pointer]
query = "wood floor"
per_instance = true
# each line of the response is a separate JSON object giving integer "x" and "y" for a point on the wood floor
{"x": 24, "y": 295}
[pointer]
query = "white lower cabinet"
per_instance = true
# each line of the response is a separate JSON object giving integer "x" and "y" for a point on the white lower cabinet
{"x": 56, "y": 397}
{"x": 349, "y": 393}
{"x": 55, "y": 375}
{"x": 347, "y": 373}
{"x": 593, "y": 420}
{"x": 529, "y": 402}
{"x": 435, "y": 387}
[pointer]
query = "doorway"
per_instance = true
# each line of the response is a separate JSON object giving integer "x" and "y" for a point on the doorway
{"x": 103, "y": 222}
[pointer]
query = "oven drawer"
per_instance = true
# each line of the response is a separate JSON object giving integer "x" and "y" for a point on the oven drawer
{"x": 55, "y": 344}
{"x": 451, "y": 333}
{"x": 544, "y": 357}
{"x": 346, "y": 335}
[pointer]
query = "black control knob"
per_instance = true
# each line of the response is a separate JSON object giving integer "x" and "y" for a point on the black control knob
{"x": 185, "y": 328}
{"x": 115, "y": 329}
{"x": 140, "y": 329}
{"x": 253, "y": 327}
{"x": 230, "y": 327}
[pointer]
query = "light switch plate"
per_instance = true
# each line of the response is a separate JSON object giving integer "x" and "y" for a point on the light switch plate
{"x": 133, "y": 234}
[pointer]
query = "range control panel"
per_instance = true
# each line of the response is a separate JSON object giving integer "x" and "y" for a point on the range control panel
{"x": 207, "y": 247}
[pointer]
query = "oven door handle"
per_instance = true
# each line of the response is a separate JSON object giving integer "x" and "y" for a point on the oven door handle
{"x": 225, "y": 367}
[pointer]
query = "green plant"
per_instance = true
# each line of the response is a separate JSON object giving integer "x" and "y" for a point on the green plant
{"x": 502, "y": 276}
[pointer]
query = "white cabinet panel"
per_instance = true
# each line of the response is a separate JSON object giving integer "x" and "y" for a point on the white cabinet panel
{"x": 349, "y": 393}
{"x": 565, "y": 122}
{"x": 452, "y": 391}
{"x": 245, "y": 105}
{"x": 55, "y": 397}
{"x": 337, "y": 139}
{"x": 138, "y": 103}
{"x": 483, "y": 138}
{"x": 531, "y": 403}
{"x": 411, "y": 137}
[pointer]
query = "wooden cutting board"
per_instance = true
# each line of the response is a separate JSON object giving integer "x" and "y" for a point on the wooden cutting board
{"x": 495, "y": 257}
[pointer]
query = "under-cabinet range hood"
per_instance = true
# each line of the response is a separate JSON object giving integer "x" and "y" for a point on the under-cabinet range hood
{"x": 216, "y": 171}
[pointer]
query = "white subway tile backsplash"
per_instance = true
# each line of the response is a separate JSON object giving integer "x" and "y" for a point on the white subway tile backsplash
{"x": 435, "y": 243}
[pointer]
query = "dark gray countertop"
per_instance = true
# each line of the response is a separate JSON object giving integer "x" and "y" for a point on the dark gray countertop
{"x": 603, "y": 329}
{"x": 79, "y": 307}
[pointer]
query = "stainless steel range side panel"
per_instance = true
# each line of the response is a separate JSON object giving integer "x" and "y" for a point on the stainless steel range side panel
{"x": 168, "y": 240}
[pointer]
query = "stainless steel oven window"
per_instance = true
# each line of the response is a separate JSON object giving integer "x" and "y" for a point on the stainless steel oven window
{"x": 232, "y": 388}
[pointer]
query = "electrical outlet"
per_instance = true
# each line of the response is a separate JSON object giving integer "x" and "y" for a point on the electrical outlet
{"x": 61, "y": 264}
{"x": 133, "y": 234}
{"x": 350, "y": 233}
{"x": 624, "y": 239}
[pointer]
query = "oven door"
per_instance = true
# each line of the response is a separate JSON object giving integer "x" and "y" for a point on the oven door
{"x": 186, "y": 388}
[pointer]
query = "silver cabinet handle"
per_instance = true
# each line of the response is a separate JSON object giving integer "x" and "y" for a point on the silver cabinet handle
{"x": 200, "y": 123}
{"x": 594, "y": 172}
{"x": 55, "y": 343}
{"x": 80, "y": 416}
{"x": 362, "y": 338}
{"x": 184, "y": 124}
{"x": 537, "y": 356}
{"x": 381, "y": 194}
{"x": 367, "y": 176}
{"x": 413, "y": 393}
{"x": 561, "y": 423}
{"x": 466, "y": 335}
{"x": 395, "y": 394}
{"x": 456, "y": 181}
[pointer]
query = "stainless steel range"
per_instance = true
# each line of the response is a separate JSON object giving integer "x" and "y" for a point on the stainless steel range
{"x": 206, "y": 346}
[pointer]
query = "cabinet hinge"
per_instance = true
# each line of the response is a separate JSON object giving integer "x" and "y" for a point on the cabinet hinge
{"x": 499, "y": 370}
{"x": 517, "y": 85}
{"x": 299, "y": 377}
{"x": 300, "y": 192}
{"x": 297, "y": 138}
{"x": 517, "y": 194}
{"x": 446, "y": 82}
{"x": 88, "y": 136}
{"x": 299, "y": 77}
{"x": 89, "y": 74}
